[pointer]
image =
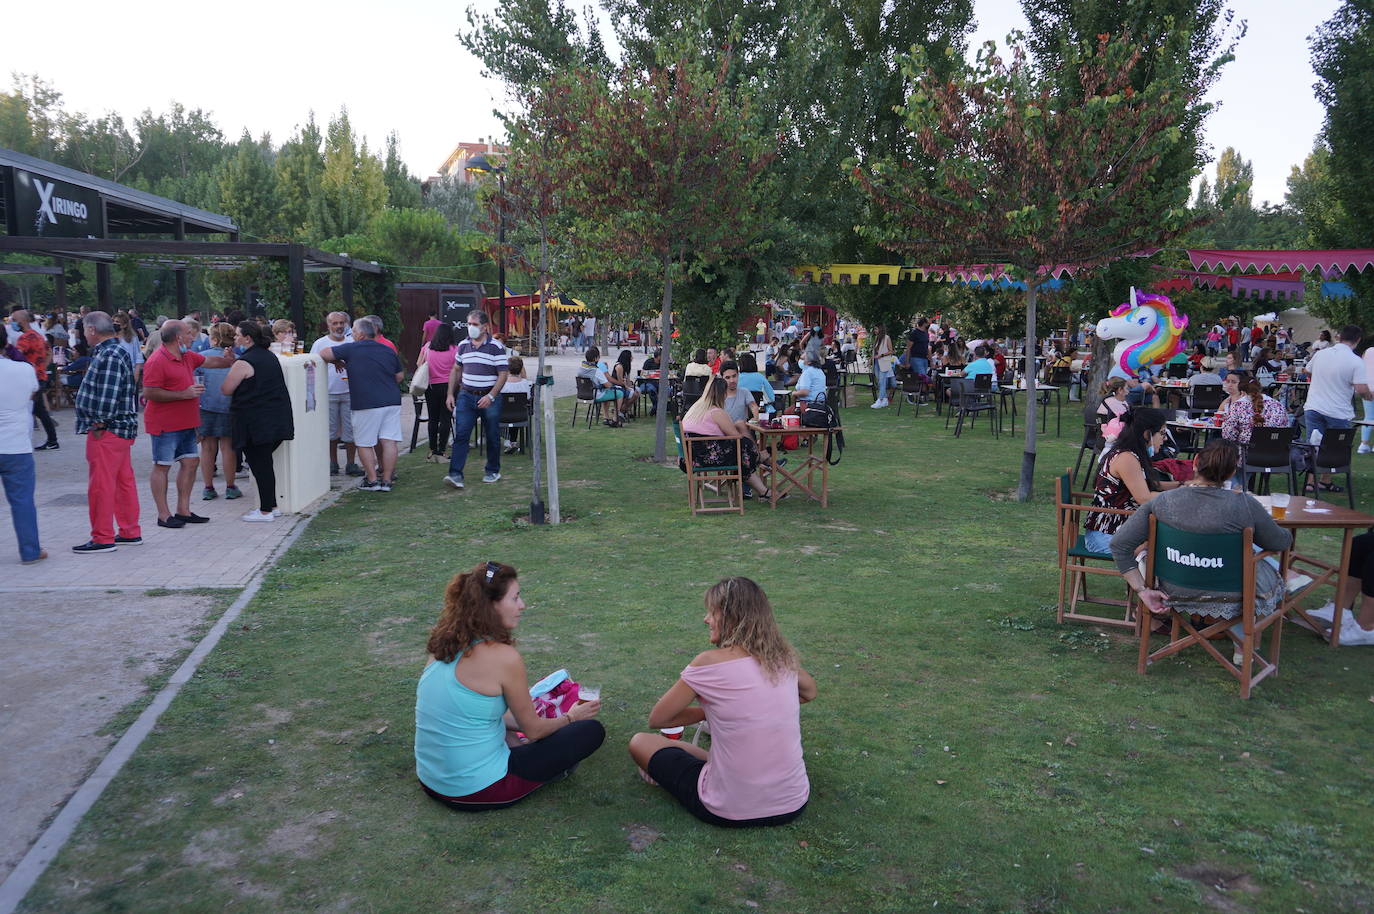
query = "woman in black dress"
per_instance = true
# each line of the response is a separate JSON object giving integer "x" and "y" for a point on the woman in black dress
{"x": 261, "y": 413}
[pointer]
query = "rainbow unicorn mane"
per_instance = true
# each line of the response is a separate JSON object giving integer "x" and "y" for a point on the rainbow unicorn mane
{"x": 1165, "y": 340}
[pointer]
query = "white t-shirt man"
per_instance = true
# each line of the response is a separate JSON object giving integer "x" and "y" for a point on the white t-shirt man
{"x": 1335, "y": 372}
{"x": 338, "y": 375}
{"x": 18, "y": 384}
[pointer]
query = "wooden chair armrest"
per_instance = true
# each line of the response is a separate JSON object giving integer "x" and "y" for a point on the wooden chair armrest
{"x": 1096, "y": 510}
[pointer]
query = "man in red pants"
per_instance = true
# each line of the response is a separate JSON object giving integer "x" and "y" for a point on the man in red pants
{"x": 107, "y": 414}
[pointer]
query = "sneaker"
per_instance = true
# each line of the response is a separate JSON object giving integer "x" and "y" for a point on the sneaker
{"x": 172, "y": 522}
{"x": 276, "y": 512}
{"x": 878, "y": 404}
{"x": 333, "y": 469}
{"x": 369, "y": 485}
{"x": 354, "y": 470}
{"x": 1325, "y": 613}
{"x": 92, "y": 547}
{"x": 209, "y": 494}
{"x": 47, "y": 446}
{"x": 383, "y": 486}
{"x": 232, "y": 493}
{"x": 128, "y": 541}
{"x": 257, "y": 517}
{"x": 492, "y": 477}
{"x": 1364, "y": 449}
{"x": 192, "y": 518}
{"x": 42, "y": 554}
{"x": 455, "y": 481}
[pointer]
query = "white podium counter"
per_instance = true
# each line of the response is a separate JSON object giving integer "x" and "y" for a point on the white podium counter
{"x": 302, "y": 464}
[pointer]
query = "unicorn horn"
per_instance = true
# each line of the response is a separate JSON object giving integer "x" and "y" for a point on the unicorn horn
{"x": 1134, "y": 303}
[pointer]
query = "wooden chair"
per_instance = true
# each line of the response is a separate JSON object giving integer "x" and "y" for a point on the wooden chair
{"x": 711, "y": 489}
{"x": 1076, "y": 561}
{"x": 1332, "y": 456}
{"x": 1231, "y": 563}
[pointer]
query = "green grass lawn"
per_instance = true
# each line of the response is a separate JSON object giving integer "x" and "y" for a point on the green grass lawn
{"x": 965, "y": 752}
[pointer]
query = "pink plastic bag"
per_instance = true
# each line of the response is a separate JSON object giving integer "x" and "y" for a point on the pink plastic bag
{"x": 557, "y": 701}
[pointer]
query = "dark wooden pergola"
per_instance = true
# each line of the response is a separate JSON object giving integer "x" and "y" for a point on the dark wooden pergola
{"x": 109, "y": 209}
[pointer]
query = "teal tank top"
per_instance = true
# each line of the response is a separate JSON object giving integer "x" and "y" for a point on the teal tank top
{"x": 460, "y": 739}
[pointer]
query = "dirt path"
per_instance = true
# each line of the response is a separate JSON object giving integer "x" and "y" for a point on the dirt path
{"x": 69, "y": 663}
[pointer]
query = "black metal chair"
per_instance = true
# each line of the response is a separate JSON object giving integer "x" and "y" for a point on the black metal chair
{"x": 912, "y": 388}
{"x": 586, "y": 396}
{"x": 1333, "y": 456}
{"x": 1177, "y": 370}
{"x": 419, "y": 404}
{"x": 1092, "y": 444}
{"x": 1269, "y": 451}
{"x": 693, "y": 386}
{"x": 515, "y": 414}
{"x": 969, "y": 397}
{"x": 1206, "y": 397}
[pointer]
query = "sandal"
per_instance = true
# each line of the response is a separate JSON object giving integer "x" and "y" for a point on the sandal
{"x": 644, "y": 776}
{"x": 1331, "y": 487}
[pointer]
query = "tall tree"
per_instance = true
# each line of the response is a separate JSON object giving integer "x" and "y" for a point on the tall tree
{"x": 352, "y": 188}
{"x": 1343, "y": 58}
{"x": 530, "y": 41}
{"x": 454, "y": 199}
{"x": 402, "y": 188}
{"x": 248, "y": 187}
{"x": 668, "y": 179}
{"x": 299, "y": 167}
{"x": 1027, "y": 174}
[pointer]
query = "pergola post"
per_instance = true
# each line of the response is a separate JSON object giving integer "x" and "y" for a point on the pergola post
{"x": 295, "y": 277}
{"x": 102, "y": 288}
{"x": 346, "y": 281}
{"x": 61, "y": 289}
{"x": 181, "y": 272}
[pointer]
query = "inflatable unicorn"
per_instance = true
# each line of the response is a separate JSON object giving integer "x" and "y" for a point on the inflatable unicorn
{"x": 1150, "y": 331}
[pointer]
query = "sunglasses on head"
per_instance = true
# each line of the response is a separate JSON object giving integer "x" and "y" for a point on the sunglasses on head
{"x": 492, "y": 568}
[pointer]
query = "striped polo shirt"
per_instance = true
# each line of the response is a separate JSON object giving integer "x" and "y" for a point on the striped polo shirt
{"x": 481, "y": 364}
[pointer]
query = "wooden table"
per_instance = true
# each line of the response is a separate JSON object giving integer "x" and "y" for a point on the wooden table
{"x": 1310, "y": 514}
{"x": 780, "y": 479}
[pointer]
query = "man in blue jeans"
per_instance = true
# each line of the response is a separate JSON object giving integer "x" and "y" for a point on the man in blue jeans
{"x": 1338, "y": 376}
{"x": 474, "y": 389}
{"x": 18, "y": 385}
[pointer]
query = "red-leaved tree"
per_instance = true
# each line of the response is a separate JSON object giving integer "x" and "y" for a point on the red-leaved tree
{"x": 1014, "y": 167}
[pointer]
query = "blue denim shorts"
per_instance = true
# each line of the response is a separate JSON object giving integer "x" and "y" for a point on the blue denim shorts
{"x": 169, "y": 447}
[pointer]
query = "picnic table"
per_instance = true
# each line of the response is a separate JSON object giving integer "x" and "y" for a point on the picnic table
{"x": 1311, "y": 514}
{"x": 800, "y": 478}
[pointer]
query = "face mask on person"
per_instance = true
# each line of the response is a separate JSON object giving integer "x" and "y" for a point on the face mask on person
{"x": 1150, "y": 451}
{"x": 474, "y": 331}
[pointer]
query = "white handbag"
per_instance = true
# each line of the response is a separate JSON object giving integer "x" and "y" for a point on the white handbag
{"x": 420, "y": 380}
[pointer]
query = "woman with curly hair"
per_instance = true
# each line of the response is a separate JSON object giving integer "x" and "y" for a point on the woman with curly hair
{"x": 749, "y": 690}
{"x": 473, "y": 695}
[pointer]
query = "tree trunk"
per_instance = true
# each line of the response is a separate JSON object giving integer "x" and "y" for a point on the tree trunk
{"x": 536, "y": 413}
{"x": 1027, "y": 486}
{"x": 1097, "y": 376}
{"x": 666, "y": 319}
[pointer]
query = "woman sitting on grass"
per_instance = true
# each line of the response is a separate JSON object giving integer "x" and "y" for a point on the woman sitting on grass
{"x": 473, "y": 694}
{"x": 749, "y": 690}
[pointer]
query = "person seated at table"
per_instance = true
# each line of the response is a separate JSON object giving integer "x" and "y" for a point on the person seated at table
{"x": 595, "y": 370}
{"x": 956, "y": 354}
{"x": 1231, "y": 364}
{"x": 811, "y": 382}
{"x": 620, "y": 377}
{"x": 1127, "y": 477}
{"x": 1246, "y": 407}
{"x": 699, "y": 366}
{"x": 981, "y": 365}
{"x": 474, "y": 695}
{"x": 1205, "y": 505}
{"x": 1265, "y": 366}
{"x": 749, "y": 689}
{"x": 1199, "y": 354}
{"x": 937, "y": 357}
{"x": 707, "y": 418}
{"x": 516, "y": 383}
{"x": 1204, "y": 376}
{"x": 713, "y": 359}
{"x": 751, "y": 379}
{"x": 1063, "y": 357}
{"x": 999, "y": 361}
{"x": 649, "y": 386}
{"x": 1113, "y": 393}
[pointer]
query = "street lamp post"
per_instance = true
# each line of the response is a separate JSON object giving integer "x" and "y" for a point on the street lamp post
{"x": 479, "y": 164}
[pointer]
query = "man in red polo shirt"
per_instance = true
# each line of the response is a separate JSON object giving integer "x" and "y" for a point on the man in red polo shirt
{"x": 377, "y": 323}
{"x": 34, "y": 346}
{"x": 172, "y": 417}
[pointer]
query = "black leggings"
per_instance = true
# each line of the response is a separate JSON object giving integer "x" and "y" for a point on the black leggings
{"x": 1362, "y": 562}
{"x": 558, "y": 753}
{"x": 259, "y": 457}
{"x": 440, "y": 417}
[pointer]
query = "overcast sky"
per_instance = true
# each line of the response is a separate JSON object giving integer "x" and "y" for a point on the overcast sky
{"x": 264, "y": 65}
